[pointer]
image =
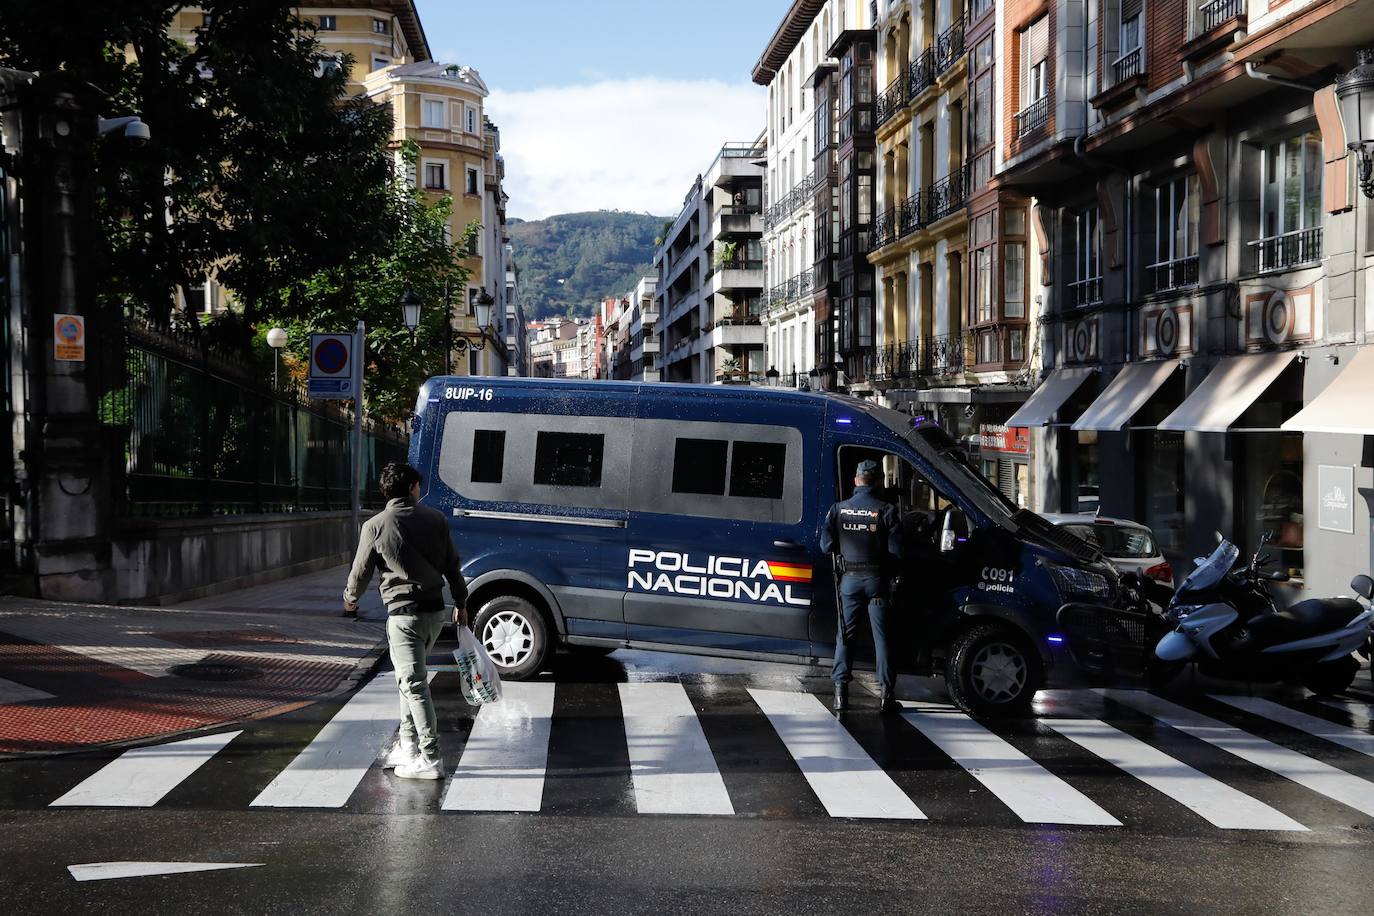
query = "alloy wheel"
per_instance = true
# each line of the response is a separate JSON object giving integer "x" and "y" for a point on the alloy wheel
{"x": 998, "y": 672}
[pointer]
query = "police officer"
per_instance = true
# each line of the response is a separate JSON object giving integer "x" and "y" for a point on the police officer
{"x": 866, "y": 532}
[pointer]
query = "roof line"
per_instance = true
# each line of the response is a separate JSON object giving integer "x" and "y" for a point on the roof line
{"x": 785, "y": 38}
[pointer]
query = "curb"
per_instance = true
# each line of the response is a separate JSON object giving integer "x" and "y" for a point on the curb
{"x": 362, "y": 669}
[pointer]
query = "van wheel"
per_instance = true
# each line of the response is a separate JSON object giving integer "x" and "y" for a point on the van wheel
{"x": 515, "y": 635}
{"x": 992, "y": 672}
{"x": 1330, "y": 678}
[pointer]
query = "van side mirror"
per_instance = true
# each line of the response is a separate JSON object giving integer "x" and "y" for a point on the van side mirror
{"x": 953, "y": 529}
{"x": 1363, "y": 586}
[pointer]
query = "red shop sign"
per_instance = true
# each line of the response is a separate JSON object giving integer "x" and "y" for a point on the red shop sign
{"x": 1004, "y": 438}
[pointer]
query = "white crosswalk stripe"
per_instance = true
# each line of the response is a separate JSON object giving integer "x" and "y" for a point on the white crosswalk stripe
{"x": 325, "y": 774}
{"x": 141, "y": 777}
{"x": 1210, "y": 798}
{"x": 1035, "y": 794}
{"x": 1354, "y": 739}
{"x": 1320, "y": 777}
{"x": 1361, "y": 713}
{"x": 671, "y": 764}
{"x": 503, "y": 762}
{"x": 843, "y": 776}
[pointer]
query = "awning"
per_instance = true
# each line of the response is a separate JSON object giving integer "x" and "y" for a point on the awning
{"x": 1344, "y": 405}
{"x": 1049, "y": 397}
{"x": 1226, "y": 392}
{"x": 1127, "y": 393}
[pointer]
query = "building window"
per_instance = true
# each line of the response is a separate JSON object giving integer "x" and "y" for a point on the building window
{"x": 436, "y": 178}
{"x": 381, "y": 27}
{"x": 699, "y": 466}
{"x": 488, "y": 455}
{"x": 328, "y": 23}
{"x": 470, "y": 124}
{"x": 1017, "y": 344}
{"x": 1014, "y": 280}
{"x": 982, "y": 268}
{"x": 432, "y": 113}
{"x": 379, "y": 62}
{"x": 473, "y": 181}
{"x": 1176, "y": 221}
{"x": 978, "y": 8}
{"x": 1035, "y": 52}
{"x": 1086, "y": 285}
{"x": 568, "y": 459}
{"x": 1271, "y": 477}
{"x": 1291, "y": 203}
{"x": 1161, "y": 487}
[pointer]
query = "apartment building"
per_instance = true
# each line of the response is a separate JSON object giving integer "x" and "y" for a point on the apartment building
{"x": 819, "y": 67}
{"x": 1205, "y": 280}
{"x": 642, "y": 324}
{"x": 709, "y": 273}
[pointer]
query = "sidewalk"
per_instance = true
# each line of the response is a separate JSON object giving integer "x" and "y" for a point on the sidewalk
{"x": 74, "y": 676}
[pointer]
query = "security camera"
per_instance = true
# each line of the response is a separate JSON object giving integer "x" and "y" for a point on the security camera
{"x": 138, "y": 132}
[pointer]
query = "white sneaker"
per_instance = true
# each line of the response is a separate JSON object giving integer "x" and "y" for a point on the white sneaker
{"x": 400, "y": 755}
{"x": 420, "y": 768}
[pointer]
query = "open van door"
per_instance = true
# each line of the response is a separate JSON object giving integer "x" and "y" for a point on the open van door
{"x": 722, "y": 536}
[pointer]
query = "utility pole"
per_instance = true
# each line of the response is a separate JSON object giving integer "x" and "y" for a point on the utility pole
{"x": 359, "y": 357}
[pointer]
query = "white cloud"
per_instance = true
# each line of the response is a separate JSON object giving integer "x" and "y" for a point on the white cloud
{"x": 633, "y": 144}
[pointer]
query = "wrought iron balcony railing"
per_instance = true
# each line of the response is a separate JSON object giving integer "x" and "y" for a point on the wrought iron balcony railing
{"x": 1086, "y": 292}
{"x": 893, "y": 100}
{"x": 1211, "y": 15}
{"x": 1280, "y": 252}
{"x": 801, "y": 194}
{"x": 949, "y": 47}
{"x": 921, "y": 75}
{"x": 1175, "y": 274}
{"x": 947, "y": 195}
{"x": 926, "y": 357}
{"x": 1127, "y": 66}
{"x": 1033, "y": 117}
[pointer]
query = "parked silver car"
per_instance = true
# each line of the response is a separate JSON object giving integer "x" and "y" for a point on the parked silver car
{"x": 1130, "y": 546}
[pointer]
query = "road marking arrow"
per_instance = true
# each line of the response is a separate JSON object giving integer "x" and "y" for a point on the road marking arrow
{"x": 102, "y": 871}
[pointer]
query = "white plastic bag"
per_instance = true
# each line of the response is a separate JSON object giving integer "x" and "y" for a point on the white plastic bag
{"x": 481, "y": 683}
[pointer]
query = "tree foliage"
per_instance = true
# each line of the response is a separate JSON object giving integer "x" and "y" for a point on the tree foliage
{"x": 570, "y": 261}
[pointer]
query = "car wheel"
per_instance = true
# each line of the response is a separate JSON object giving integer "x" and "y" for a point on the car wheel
{"x": 992, "y": 672}
{"x": 1330, "y": 678}
{"x": 515, "y": 635}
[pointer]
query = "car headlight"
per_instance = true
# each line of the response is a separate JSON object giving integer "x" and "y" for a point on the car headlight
{"x": 1080, "y": 583}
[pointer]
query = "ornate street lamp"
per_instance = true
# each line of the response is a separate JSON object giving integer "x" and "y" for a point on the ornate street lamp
{"x": 1355, "y": 90}
{"x": 771, "y": 376}
{"x": 276, "y": 339}
{"x": 481, "y": 302}
{"x": 410, "y": 312}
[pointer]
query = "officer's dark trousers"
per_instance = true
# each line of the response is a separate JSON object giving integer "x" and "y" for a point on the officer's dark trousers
{"x": 857, "y": 591}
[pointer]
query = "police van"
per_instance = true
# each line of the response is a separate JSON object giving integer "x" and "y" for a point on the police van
{"x": 688, "y": 517}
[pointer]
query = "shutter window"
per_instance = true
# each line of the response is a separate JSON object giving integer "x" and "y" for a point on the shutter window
{"x": 1006, "y": 478}
{"x": 1039, "y": 40}
{"x": 1131, "y": 8}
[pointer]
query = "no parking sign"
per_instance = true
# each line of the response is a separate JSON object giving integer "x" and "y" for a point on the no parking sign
{"x": 69, "y": 338}
{"x": 331, "y": 366}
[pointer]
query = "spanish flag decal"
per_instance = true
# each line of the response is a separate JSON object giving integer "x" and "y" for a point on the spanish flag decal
{"x": 790, "y": 572}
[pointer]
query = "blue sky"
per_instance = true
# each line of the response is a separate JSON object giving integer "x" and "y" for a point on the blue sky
{"x": 609, "y": 104}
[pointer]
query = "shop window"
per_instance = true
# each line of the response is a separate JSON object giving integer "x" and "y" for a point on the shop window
{"x": 568, "y": 459}
{"x": 488, "y": 455}
{"x": 757, "y": 468}
{"x": 1087, "y": 475}
{"x": 1160, "y": 472}
{"x": 699, "y": 466}
{"x": 1270, "y": 502}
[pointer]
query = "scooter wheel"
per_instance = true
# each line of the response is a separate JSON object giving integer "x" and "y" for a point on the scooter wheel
{"x": 1330, "y": 678}
{"x": 992, "y": 672}
{"x": 1161, "y": 674}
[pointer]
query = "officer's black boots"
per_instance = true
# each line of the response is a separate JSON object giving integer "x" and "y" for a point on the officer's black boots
{"x": 841, "y": 697}
{"x": 889, "y": 704}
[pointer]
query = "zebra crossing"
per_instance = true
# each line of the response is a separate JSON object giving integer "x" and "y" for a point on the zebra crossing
{"x": 1109, "y": 759}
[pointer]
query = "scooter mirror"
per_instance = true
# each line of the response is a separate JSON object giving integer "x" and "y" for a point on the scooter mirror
{"x": 1363, "y": 586}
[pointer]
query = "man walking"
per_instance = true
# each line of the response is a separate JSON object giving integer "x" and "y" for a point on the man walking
{"x": 412, "y": 546}
{"x": 866, "y": 533}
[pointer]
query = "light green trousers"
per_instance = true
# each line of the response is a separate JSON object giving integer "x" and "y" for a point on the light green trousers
{"x": 410, "y": 638}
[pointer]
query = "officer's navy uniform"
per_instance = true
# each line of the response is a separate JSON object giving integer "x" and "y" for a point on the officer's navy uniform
{"x": 866, "y": 532}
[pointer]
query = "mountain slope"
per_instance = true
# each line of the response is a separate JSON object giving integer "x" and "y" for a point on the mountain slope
{"x": 593, "y": 255}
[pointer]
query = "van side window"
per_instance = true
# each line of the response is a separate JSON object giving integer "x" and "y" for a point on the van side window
{"x": 568, "y": 459}
{"x": 757, "y": 468}
{"x": 488, "y": 455}
{"x": 699, "y": 466}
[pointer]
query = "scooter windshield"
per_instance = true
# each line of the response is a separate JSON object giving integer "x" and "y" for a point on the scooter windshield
{"x": 1213, "y": 569}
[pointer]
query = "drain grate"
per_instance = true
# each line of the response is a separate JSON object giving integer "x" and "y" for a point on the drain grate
{"x": 216, "y": 671}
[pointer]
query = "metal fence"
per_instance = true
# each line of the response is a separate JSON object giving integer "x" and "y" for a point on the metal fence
{"x": 193, "y": 433}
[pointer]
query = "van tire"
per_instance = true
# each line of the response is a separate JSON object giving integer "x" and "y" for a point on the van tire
{"x": 1004, "y": 650}
{"x": 516, "y": 635}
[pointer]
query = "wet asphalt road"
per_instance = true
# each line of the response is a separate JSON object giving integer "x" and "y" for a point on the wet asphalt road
{"x": 588, "y": 849}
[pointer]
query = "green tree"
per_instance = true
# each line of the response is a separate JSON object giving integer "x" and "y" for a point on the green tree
{"x": 419, "y": 257}
{"x": 259, "y": 170}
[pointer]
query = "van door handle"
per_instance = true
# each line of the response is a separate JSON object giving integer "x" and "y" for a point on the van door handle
{"x": 787, "y": 545}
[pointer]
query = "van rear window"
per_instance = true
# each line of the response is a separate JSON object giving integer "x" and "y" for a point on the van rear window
{"x": 568, "y": 459}
{"x": 488, "y": 455}
{"x": 699, "y": 466}
{"x": 757, "y": 469}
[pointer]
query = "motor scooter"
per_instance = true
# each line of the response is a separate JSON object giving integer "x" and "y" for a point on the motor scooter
{"x": 1225, "y": 620}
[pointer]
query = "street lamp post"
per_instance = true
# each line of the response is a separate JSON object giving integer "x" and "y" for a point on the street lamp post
{"x": 410, "y": 312}
{"x": 276, "y": 339}
{"x": 1355, "y": 91}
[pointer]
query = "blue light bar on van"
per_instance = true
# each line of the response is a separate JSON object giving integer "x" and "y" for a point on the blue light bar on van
{"x": 843, "y": 421}
{"x": 1056, "y": 639}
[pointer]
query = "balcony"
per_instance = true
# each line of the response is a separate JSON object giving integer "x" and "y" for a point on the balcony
{"x": 1127, "y": 66}
{"x": 893, "y": 100}
{"x": 1214, "y": 24}
{"x": 803, "y": 284}
{"x": 737, "y": 220}
{"x": 1292, "y": 249}
{"x": 798, "y": 196}
{"x": 1212, "y": 15}
{"x": 885, "y": 228}
{"x": 1085, "y": 292}
{"x": 949, "y": 47}
{"x": 1032, "y": 119}
{"x": 946, "y": 196}
{"x": 921, "y": 75}
{"x": 1170, "y": 275}
{"x": 928, "y": 357}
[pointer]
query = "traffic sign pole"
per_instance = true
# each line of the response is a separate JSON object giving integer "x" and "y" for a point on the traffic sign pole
{"x": 359, "y": 355}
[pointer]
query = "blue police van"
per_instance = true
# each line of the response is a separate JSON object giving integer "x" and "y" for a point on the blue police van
{"x": 602, "y": 515}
